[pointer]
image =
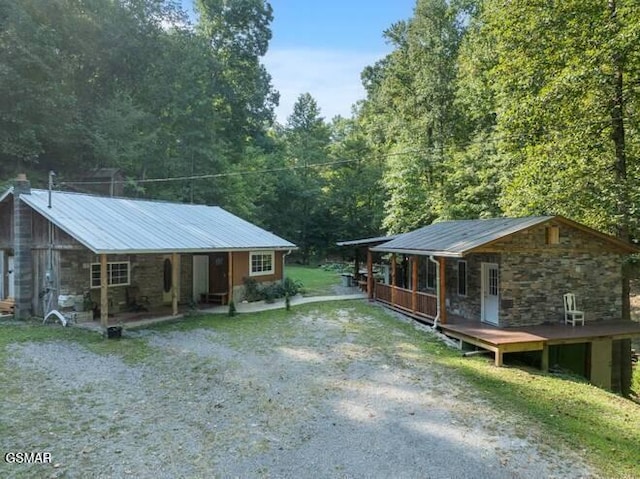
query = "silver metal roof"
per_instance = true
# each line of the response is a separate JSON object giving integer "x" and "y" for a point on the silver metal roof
{"x": 123, "y": 225}
{"x": 366, "y": 241}
{"x": 455, "y": 238}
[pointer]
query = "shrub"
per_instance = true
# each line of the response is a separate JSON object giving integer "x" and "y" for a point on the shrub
{"x": 292, "y": 287}
{"x": 254, "y": 291}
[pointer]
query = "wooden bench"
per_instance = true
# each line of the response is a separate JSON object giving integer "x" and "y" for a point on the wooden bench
{"x": 7, "y": 306}
{"x": 214, "y": 298}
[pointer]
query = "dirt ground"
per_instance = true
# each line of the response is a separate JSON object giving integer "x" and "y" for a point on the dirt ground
{"x": 318, "y": 395}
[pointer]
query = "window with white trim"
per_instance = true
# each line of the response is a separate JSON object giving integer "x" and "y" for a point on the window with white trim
{"x": 261, "y": 263}
{"x": 462, "y": 278}
{"x": 118, "y": 274}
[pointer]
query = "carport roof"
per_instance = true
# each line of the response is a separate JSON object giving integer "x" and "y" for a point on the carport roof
{"x": 125, "y": 225}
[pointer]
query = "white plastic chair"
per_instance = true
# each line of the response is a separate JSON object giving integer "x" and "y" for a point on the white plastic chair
{"x": 571, "y": 314}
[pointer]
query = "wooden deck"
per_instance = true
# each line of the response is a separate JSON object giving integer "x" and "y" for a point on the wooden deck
{"x": 423, "y": 307}
{"x": 535, "y": 338}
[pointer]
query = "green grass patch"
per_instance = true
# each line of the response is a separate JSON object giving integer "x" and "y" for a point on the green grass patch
{"x": 315, "y": 280}
{"x": 129, "y": 349}
{"x": 603, "y": 427}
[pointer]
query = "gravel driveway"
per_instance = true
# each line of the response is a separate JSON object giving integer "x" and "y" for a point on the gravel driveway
{"x": 318, "y": 395}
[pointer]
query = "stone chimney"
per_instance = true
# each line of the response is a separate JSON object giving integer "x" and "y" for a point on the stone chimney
{"x": 22, "y": 270}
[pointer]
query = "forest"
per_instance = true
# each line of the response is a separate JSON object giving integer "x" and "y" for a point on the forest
{"x": 483, "y": 108}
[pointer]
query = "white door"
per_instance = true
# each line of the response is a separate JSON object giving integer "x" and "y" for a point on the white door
{"x": 11, "y": 291}
{"x": 490, "y": 288}
{"x": 200, "y": 276}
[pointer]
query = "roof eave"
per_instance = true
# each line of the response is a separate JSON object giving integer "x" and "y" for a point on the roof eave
{"x": 418, "y": 252}
{"x": 195, "y": 250}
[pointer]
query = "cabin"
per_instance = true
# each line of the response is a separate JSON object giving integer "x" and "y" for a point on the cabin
{"x": 121, "y": 255}
{"x": 499, "y": 285}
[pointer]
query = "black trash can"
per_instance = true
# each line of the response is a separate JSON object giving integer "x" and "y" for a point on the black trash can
{"x": 114, "y": 332}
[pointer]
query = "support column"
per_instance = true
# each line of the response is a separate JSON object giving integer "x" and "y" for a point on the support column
{"x": 230, "y": 275}
{"x": 498, "y": 357}
{"x": 104, "y": 293}
{"x": 544, "y": 366}
{"x": 414, "y": 283}
{"x": 175, "y": 282}
{"x": 443, "y": 292}
{"x": 370, "y": 283}
{"x": 393, "y": 279}
{"x": 601, "y": 358}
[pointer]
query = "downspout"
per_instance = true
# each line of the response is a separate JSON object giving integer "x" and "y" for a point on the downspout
{"x": 284, "y": 256}
{"x": 438, "y": 305}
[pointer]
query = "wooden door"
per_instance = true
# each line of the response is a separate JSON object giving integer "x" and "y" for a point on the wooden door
{"x": 219, "y": 273}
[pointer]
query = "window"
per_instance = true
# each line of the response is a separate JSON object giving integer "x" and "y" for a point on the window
{"x": 553, "y": 234}
{"x": 462, "y": 278}
{"x": 261, "y": 263}
{"x": 117, "y": 274}
{"x": 431, "y": 274}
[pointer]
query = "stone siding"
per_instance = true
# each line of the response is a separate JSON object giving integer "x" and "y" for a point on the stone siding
{"x": 468, "y": 306}
{"x": 532, "y": 286}
{"x": 534, "y": 276}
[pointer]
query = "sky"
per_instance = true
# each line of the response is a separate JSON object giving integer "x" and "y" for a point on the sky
{"x": 321, "y": 47}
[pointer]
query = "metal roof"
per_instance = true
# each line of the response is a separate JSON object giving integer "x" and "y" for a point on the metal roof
{"x": 455, "y": 238}
{"x": 124, "y": 225}
{"x": 367, "y": 241}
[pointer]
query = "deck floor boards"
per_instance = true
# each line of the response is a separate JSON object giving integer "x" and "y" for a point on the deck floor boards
{"x": 558, "y": 333}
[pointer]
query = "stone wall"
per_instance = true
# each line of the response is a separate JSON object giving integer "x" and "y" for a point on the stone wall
{"x": 146, "y": 276}
{"x": 534, "y": 276}
{"x": 468, "y": 306}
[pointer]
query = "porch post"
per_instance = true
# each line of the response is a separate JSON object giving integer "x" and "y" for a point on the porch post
{"x": 414, "y": 283}
{"x": 175, "y": 282}
{"x": 356, "y": 265}
{"x": 370, "y": 275}
{"x": 545, "y": 358}
{"x": 104, "y": 292}
{"x": 230, "y": 275}
{"x": 443, "y": 292}
{"x": 393, "y": 278}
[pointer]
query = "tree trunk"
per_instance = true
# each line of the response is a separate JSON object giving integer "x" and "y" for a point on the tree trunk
{"x": 620, "y": 166}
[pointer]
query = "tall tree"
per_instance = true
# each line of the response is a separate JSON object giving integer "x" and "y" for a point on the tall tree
{"x": 356, "y": 199}
{"x": 567, "y": 86}
{"x": 299, "y": 202}
{"x": 412, "y": 113}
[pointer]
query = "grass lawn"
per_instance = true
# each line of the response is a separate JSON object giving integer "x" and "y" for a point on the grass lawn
{"x": 602, "y": 427}
{"x": 315, "y": 281}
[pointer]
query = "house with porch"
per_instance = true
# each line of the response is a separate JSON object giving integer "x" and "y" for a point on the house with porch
{"x": 124, "y": 254}
{"x": 498, "y": 284}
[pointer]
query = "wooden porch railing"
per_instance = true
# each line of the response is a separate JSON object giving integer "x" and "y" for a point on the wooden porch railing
{"x": 426, "y": 303}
